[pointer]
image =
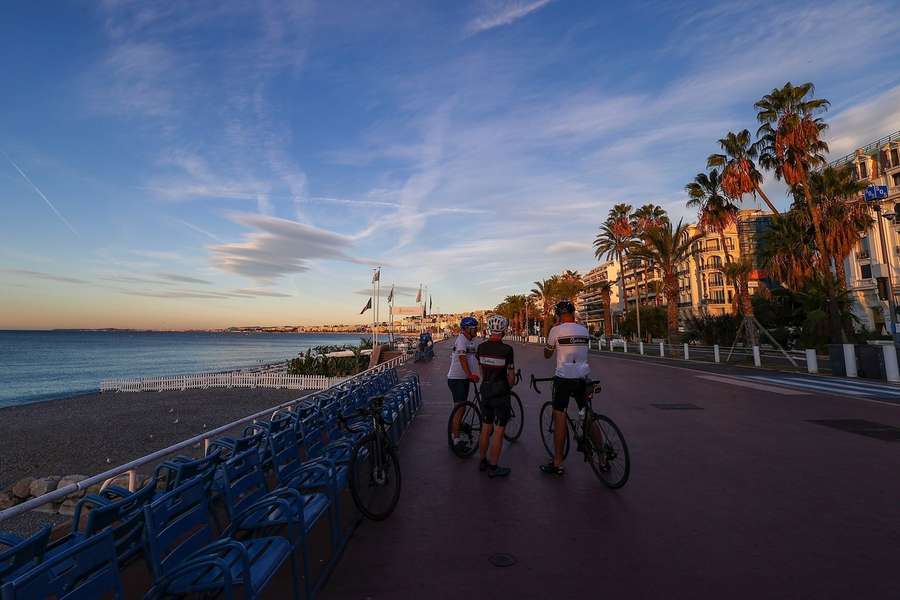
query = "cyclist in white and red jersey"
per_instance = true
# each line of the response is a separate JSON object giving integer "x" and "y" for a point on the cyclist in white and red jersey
{"x": 569, "y": 340}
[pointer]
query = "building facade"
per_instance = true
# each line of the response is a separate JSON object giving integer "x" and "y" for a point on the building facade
{"x": 876, "y": 259}
{"x": 589, "y": 303}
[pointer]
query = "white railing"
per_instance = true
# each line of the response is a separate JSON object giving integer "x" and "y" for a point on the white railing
{"x": 203, "y": 439}
{"x": 226, "y": 380}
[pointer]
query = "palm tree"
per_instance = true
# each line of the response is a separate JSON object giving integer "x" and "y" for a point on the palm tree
{"x": 715, "y": 211}
{"x": 739, "y": 173}
{"x": 605, "y": 289}
{"x": 739, "y": 274}
{"x": 667, "y": 248}
{"x": 615, "y": 238}
{"x": 545, "y": 291}
{"x": 647, "y": 216}
{"x": 789, "y": 144}
{"x": 845, "y": 215}
{"x": 787, "y": 250}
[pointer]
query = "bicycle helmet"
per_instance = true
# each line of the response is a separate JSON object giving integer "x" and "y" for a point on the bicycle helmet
{"x": 564, "y": 307}
{"x": 468, "y": 322}
{"x": 497, "y": 324}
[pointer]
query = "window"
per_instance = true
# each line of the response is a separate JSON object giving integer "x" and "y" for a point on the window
{"x": 712, "y": 244}
{"x": 895, "y": 159}
{"x": 866, "y": 271}
{"x": 715, "y": 261}
{"x": 729, "y": 243}
{"x": 718, "y": 297}
{"x": 896, "y": 178}
{"x": 730, "y": 297}
{"x": 863, "y": 170}
{"x": 716, "y": 279}
{"x": 863, "y": 248}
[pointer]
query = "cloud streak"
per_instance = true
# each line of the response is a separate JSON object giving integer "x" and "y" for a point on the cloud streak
{"x": 44, "y": 276}
{"x": 503, "y": 12}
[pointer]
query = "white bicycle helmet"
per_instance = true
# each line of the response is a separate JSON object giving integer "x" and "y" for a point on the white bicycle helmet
{"x": 497, "y": 324}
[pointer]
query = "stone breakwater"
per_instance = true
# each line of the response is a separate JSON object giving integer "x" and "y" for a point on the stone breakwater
{"x": 33, "y": 487}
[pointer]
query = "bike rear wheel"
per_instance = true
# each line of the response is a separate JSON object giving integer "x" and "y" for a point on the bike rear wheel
{"x": 516, "y": 420}
{"x": 469, "y": 429}
{"x": 547, "y": 428}
{"x": 608, "y": 452}
{"x": 374, "y": 478}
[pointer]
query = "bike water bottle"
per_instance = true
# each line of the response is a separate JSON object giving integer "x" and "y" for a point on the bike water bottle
{"x": 581, "y": 419}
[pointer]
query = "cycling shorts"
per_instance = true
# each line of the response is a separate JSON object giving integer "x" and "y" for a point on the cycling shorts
{"x": 564, "y": 388}
{"x": 459, "y": 389}
{"x": 495, "y": 403}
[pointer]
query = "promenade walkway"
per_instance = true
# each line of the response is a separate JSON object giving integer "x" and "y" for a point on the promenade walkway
{"x": 742, "y": 497}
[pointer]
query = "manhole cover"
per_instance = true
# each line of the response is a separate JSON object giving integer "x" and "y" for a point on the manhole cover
{"x": 502, "y": 560}
{"x": 879, "y": 431}
{"x": 677, "y": 406}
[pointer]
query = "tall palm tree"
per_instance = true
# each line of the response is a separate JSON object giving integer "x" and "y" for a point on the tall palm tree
{"x": 738, "y": 273}
{"x": 789, "y": 144}
{"x": 605, "y": 289}
{"x": 845, "y": 215}
{"x": 787, "y": 249}
{"x": 667, "y": 247}
{"x": 647, "y": 216}
{"x": 739, "y": 173}
{"x": 614, "y": 239}
{"x": 545, "y": 291}
{"x": 715, "y": 211}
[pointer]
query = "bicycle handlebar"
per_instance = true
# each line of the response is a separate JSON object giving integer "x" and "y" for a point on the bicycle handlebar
{"x": 595, "y": 387}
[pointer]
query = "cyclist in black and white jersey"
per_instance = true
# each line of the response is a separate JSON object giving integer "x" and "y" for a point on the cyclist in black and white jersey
{"x": 569, "y": 341}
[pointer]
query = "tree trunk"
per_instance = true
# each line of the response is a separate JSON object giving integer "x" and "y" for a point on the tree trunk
{"x": 607, "y": 317}
{"x": 622, "y": 295}
{"x": 841, "y": 272}
{"x": 837, "y": 332}
{"x": 765, "y": 198}
{"x": 672, "y": 307}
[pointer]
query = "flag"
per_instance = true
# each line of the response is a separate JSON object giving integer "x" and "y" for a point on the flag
{"x": 423, "y": 311}
{"x": 391, "y": 295}
{"x": 377, "y": 276}
{"x": 367, "y": 306}
{"x": 429, "y": 303}
{"x": 419, "y": 295}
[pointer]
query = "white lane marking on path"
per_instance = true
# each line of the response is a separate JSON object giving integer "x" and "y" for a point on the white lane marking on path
{"x": 755, "y": 386}
{"x": 861, "y": 395}
{"x": 853, "y": 384}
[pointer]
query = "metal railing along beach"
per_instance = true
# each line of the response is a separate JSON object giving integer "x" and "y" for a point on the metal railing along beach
{"x": 222, "y": 380}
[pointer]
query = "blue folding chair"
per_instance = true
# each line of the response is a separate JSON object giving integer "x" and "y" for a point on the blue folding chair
{"x": 84, "y": 571}
{"x": 186, "y": 558}
{"x": 20, "y": 554}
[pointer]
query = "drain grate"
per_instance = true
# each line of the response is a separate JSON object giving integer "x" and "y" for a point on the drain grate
{"x": 502, "y": 559}
{"x": 879, "y": 431}
{"x": 677, "y": 406}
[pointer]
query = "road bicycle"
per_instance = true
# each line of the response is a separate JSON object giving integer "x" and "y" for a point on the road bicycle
{"x": 596, "y": 436}
{"x": 374, "y": 467}
{"x": 469, "y": 415}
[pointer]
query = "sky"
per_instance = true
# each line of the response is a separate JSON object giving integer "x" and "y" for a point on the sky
{"x": 207, "y": 164}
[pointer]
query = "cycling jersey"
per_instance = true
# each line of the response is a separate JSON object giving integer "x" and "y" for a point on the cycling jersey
{"x": 571, "y": 343}
{"x": 463, "y": 347}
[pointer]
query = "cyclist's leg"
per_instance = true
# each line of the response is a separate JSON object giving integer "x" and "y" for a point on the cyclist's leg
{"x": 501, "y": 412}
{"x": 459, "y": 388}
{"x": 561, "y": 393}
{"x": 487, "y": 428}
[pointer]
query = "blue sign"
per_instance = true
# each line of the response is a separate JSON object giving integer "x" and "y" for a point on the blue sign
{"x": 876, "y": 192}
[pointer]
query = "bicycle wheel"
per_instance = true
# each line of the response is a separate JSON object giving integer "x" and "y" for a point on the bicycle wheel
{"x": 608, "y": 452}
{"x": 374, "y": 478}
{"x": 516, "y": 420}
{"x": 547, "y": 428}
{"x": 469, "y": 429}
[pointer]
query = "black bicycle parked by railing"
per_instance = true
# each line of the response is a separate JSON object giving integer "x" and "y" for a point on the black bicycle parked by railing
{"x": 597, "y": 437}
{"x": 469, "y": 415}
{"x": 374, "y": 467}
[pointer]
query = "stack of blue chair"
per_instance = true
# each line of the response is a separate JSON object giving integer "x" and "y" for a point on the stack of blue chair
{"x": 303, "y": 451}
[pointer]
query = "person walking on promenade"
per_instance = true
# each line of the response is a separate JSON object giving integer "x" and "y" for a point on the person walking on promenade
{"x": 569, "y": 340}
{"x": 463, "y": 367}
{"x": 498, "y": 373}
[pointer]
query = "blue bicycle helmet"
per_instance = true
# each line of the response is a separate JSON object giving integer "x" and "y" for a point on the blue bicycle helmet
{"x": 468, "y": 322}
{"x": 564, "y": 307}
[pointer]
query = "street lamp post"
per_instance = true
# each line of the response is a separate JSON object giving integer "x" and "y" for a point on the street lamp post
{"x": 891, "y": 217}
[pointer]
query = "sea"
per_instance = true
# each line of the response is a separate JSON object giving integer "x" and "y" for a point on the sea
{"x": 42, "y": 365}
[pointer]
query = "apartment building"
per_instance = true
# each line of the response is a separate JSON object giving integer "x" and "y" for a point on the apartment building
{"x": 589, "y": 303}
{"x": 876, "y": 259}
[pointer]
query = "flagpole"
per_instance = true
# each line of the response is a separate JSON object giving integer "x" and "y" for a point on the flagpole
{"x": 373, "y": 314}
{"x": 378, "y": 303}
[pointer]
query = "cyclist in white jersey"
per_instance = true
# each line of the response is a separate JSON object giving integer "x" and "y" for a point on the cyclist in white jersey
{"x": 463, "y": 369}
{"x": 569, "y": 341}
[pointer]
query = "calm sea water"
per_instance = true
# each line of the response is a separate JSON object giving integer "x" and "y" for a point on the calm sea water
{"x": 39, "y": 365}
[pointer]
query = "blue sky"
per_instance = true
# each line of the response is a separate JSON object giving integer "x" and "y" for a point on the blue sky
{"x": 175, "y": 164}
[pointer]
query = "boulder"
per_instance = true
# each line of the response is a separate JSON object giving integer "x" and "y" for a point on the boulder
{"x": 67, "y": 508}
{"x": 22, "y": 488}
{"x": 70, "y": 480}
{"x": 7, "y": 500}
{"x": 43, "y": 485}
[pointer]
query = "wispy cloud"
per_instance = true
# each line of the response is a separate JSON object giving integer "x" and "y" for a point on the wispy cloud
{"x": 406, "y": 291}
{"x": 41, "y": 194}
{"x": 198, "y": 229}
{"x": 568, "y": 247}
{"x": 183, "y": 278}
{"x": 45, "y": 276}
{"x": 497, "y": 13}
{"x": 279, "y": 247}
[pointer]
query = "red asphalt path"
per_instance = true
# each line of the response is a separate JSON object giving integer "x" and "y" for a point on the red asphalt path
{"x": 743, "y": 499}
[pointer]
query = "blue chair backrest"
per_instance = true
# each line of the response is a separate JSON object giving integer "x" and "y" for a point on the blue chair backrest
{"x": 181, "y": 471}
{"x": 178, "y": 523}
{"x": 245, "y": 481}
{"x": 285, "y": 455}
{"x": 85, "y": 571}
{"x": 311, "y": 437}
{"x": 20, "y": 553}
{"x": 125, "y": 518}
